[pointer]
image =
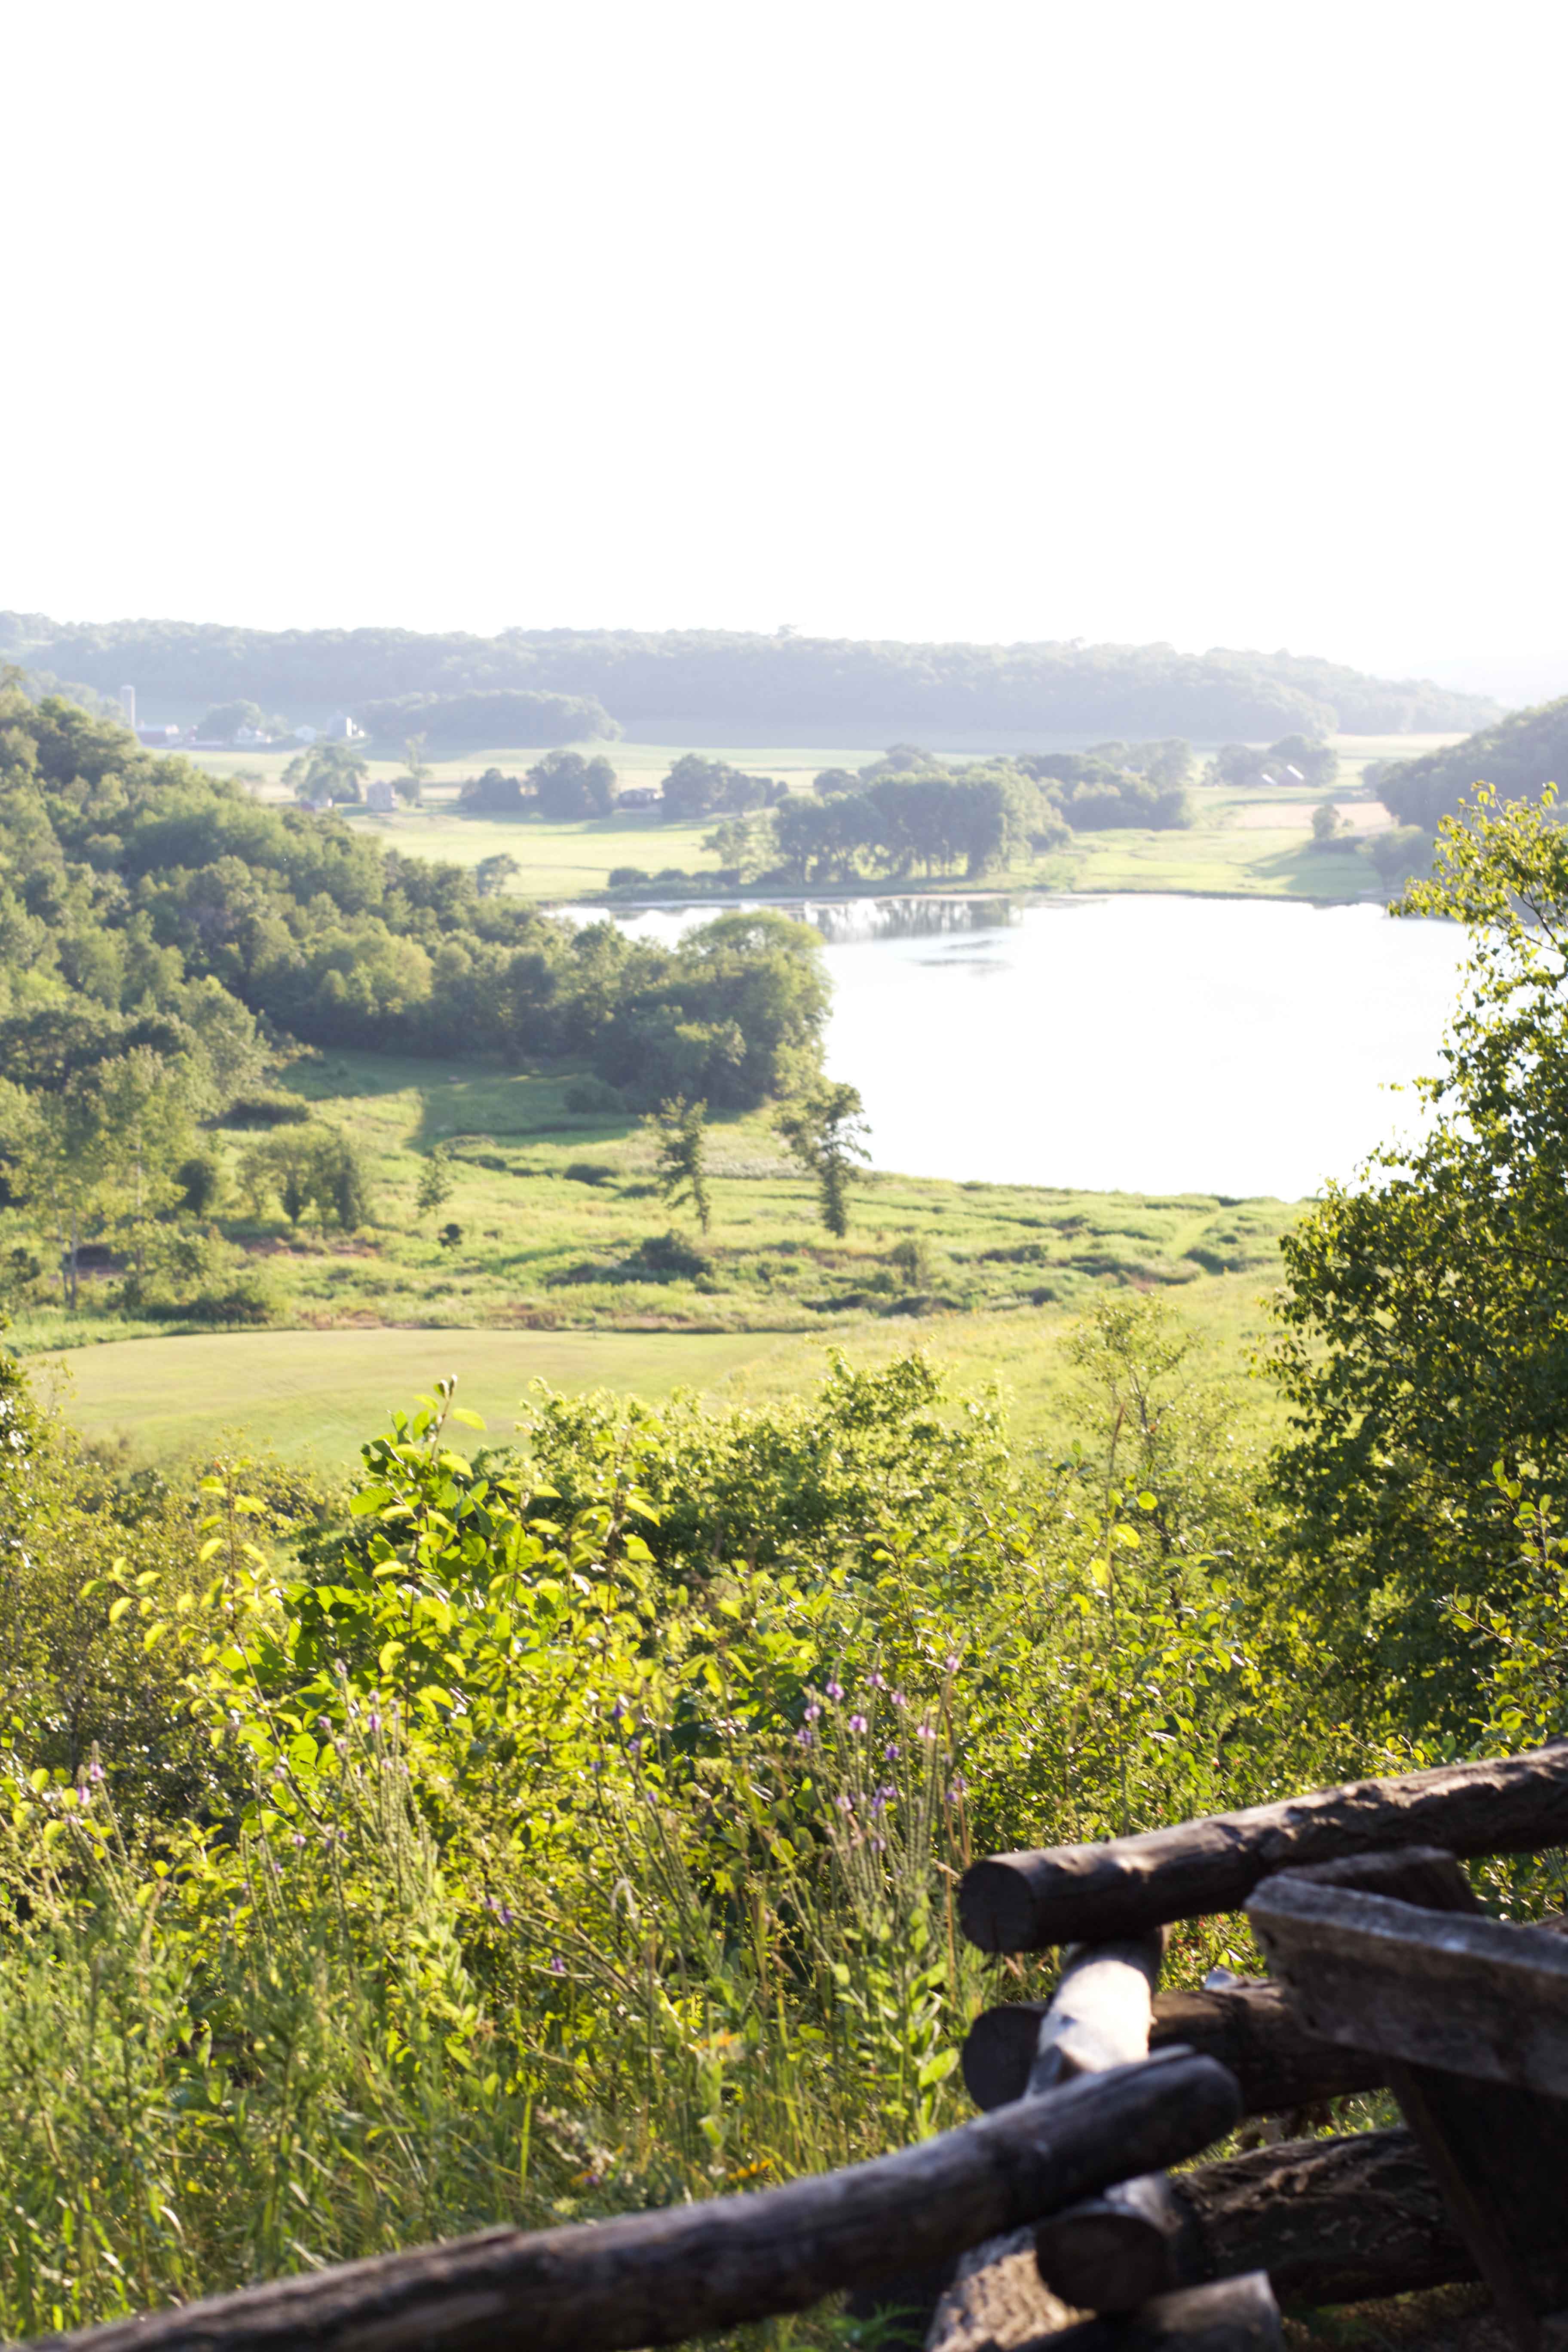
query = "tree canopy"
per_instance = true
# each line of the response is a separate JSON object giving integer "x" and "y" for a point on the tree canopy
{"x": 1425, "y": 1336}
{"x": 1517, "y": 757}
{"x": 144, "y": 902}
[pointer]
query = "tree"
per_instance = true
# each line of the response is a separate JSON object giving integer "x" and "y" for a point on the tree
{"x": 226, "y": 719}
{"x": 567, "y": 787}
{"x": 1425, "y": 1317}
{"x": 681, "y": 1130}
{"x": 492, "y": 794}
{"x": 435, "y": 1182}
{"x": 330, "y": 772}
{"x": 826, "y": 1130}
{"x": 314, "y": 1166}
{"x": 411, "y": 785}
{"x": 1327, "y": 826}
{"x": 491, "y": 875}
{"x": 697, "y": 787}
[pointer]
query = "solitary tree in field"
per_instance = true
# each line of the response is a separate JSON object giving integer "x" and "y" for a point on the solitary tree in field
{"x": 826, "y": 1130}
{"x": 436, "y": 1180}
{"x": 410, "y": 785}
{"x": 681, "y": 1127}
{"x": 491, "y": 875}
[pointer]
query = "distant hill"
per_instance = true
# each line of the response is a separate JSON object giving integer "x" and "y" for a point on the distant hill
{"x": 1518, "y": 755}
{"x": 467, "y": 722}
{"x": 718, "y": 676}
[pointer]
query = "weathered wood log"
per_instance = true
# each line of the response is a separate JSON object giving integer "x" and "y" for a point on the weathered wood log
{"x": 1236, "y": 2315}
{"x": 1100, "y": 2013}
{"x": 1250, "y": 2027}
{"x": 1472, "y": 2015}
{"x": 1428, "y": 1876}
{"x": 998, "y": 2301}
{"x": 654, "y": 2278}
{"x": 1331, "y": 2221}
{"x": 1115, "y": 2252}
{"x": 1024, "y": 1901}
{"x": 1468, "y": 1996}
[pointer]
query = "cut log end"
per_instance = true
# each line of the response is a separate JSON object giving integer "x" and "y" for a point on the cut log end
{"x": 1113, "y": 2252}
{"x": 996, "y": 1907}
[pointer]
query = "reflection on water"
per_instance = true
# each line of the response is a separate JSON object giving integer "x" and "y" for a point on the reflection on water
{"x": 1132, "y": 1043}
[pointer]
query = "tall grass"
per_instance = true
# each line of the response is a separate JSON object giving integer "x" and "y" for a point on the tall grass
{"x": 232, "y": 2065}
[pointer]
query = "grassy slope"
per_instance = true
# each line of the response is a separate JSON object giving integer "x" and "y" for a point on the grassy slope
{"x": 542, "y": 1281}
{"x": 1220, "y": 854}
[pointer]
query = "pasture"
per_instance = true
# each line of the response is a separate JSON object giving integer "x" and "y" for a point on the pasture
{"x": 1245, "y": 844}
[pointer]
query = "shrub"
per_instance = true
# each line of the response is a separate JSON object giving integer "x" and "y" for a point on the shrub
{"x": 589, "y": 1171}
{"x": 274, "y": 1109}
{"x": 669, "y": 1257}
{"x": 592, "y": 1098}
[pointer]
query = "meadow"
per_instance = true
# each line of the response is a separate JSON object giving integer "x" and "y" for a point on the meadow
{"x": 1247, "y": 845}
{"x": 558, "y": 1264}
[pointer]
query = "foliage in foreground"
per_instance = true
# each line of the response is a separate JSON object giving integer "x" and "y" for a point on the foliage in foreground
{"x": 574, "y": 1826}
{"x": 566, "y": 1830}
{"x": 1424, "y": 1324}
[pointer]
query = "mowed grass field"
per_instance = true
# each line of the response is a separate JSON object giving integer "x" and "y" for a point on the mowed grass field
{"x": 1225, "y": 852}
{"x": 315, "y": 1397}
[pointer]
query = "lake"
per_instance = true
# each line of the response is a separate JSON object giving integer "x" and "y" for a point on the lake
{"x": 1134, "y": 1043}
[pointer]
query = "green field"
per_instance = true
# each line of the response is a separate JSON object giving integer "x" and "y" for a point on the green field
{"x": 548, "y": 1273}
{"x": 315, "y": 1396}
{"x": 1227, "y": 852}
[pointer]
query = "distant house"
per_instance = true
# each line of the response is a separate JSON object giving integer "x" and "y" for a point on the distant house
{"x": 305, "y": 734}
{"x": 341, "y": 728}
{"x": 251, "y": 735}
{"x": 640, "y": 796}
{"x": 158, "y": 737}
{"x": 379, "y": 796}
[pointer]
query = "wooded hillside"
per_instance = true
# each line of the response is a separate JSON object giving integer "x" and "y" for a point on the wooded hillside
{"x": 718, "y": 676}
{"x": 1516, "y": 757}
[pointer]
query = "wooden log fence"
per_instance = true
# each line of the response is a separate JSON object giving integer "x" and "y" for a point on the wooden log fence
{"x": 1385, "y": 1973}
{"x": 1026, "y": 1902}
{"x": 655, "y": 2278}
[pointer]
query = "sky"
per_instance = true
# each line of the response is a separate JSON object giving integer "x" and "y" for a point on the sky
{"x": 1216, "y": 324}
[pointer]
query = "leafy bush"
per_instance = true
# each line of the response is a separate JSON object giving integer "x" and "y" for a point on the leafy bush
{"x": 274, "y": 1109}
{"x": 589, "y": 1171}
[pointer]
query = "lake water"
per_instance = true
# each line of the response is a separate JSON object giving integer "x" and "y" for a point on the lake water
{"x": 1131, "y": 1043}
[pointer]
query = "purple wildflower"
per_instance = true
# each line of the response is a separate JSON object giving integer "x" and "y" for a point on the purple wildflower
{"x": 877, "y": 1682}
{"x": 805, "y": 1736}
{"x": 812, "y": 1712}
{"x": 95, "y": 1770}
{"x": 858, "y": 1723}
{"x": 557, "y": 1966}
{"x": 891, "y": 1753}
{"x": 835, "y": 1690}
{"x": 845, "y": 1804}
{"x": 898, "y": 1698}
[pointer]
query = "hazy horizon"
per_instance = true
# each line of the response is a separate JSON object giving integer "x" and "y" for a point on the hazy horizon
{"x": 1230, "y": 329}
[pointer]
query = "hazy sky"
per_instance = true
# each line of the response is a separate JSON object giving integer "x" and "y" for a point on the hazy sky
{"x": 1219, "y": 323}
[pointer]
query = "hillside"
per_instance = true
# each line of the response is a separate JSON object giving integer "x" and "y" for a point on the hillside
{"x": 1516, "y": 756}
{"x": 718, "y": 676}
